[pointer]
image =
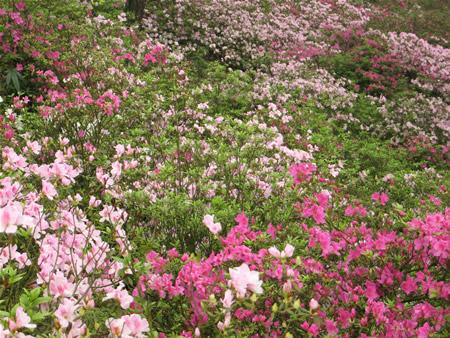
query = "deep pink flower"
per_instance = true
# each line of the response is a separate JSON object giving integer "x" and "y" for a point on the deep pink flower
{"x": 409, "y": 285}
{"x": 302, "y": 172}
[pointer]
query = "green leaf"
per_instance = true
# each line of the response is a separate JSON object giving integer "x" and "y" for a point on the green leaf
{"x": 12, "y": 75}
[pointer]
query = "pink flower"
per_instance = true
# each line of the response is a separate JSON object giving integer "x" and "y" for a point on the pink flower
{"x": 242, "y": 278}
{"x": 314, "y": 330}
{"x": 11, "y": 217}
{"x": 66, "y": 312}
{"x": 227, "y": 300}
{"x": 93, "y": 202}
{"x": 272, "y": 231}
{"x": 121, "y": 296}
{"x": 383, "y": 198}
{"x": 331, "y": 327}
{"x": 226, "y": 323}
{"x": 173, "y": 253}
{"x": 53, "y": 55}
{"x": 20, "y": 6}
{"x": 35, "y": 147}
{"x": 215, "y": 228}
{"x": 120, "y": 149}
{"x": 128, "y": 326}
{"x": 49, "y": 190}
{"x": 136, "y": 324}
{"x": 287, "y": 252}
{"x": 409, "y": 285}
{"x": 302, "y": 172}
{"x": 424, "y": 331}
{"x": 60, "y": 286}
{"x": 371, "y": 291}
{"x": 3, "y": 332}
{"x": 313, "y": 304}
{"x": 22, "y": 320}
{"x": 287, "y": 287}
{"x": 318, "y": 214}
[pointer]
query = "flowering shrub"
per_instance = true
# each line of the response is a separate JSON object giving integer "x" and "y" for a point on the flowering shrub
{"x": 419, "y": 55}
{"x": 149, "y": 191}
{"x": 241, "y": 32}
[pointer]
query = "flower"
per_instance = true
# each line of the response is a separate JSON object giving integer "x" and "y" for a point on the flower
{"x": 313, "y": 304}
{"x": 121, "y": 296}
{"x": 215, "y": 228}
{"x": 66, "y": 312}
{"x": 302, "y": 172}
{"x": 49, "y": 190}
{"x": 226, "y": 323}
{"x": 242, "y": 278}
{"x": 60, "y": 286}
{"x": 287, "y": 252}
{"x": 128, "y": 326}
{"x": 227, "y": 300}
{"x": 383, "y": 198}
{"x": 22, "y": 320}
{"x": 11, "y": 216}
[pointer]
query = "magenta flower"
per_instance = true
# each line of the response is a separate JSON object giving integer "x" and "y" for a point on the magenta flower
{"x": 382, "y": 197}
{"x": 302, "y": 172}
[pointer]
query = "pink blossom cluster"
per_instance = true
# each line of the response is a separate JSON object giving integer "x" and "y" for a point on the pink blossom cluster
{"x": 433, "y": 61}
{"x": 242, "y": 30}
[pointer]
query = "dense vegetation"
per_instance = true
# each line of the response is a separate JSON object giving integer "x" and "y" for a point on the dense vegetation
{"x": 236, "y": 168}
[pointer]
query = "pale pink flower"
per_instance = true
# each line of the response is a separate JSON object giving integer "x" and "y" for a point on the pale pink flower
{"x": 287, "y": 252}
{"x": 11, "y": 216}
{"x": 128, "y": 326}
{"x": 120, "y": 149}
{"x": 227, "y": 300}
{"x": 215, "y": 228}
{"x": 22, "y": 320}
{"x": 49, "y": 190}
{"x": 93, "y": 202}
{"x": 115, "y": 326}
{"x": 226, "y": 323}
{"x": 35, "y": 147}
{"x": 243, "y": 279}
{"x": 287, "y": 287}
{"x": 66, "y": 312}
{"x": 60, "y": 286}
{"x": 122, "y": 296}
{"x": 4, "y": 333}
{"x": 313, "y": 304}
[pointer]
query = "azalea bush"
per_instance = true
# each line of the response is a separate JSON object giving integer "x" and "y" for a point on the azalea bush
{"x": 238, "y": 169}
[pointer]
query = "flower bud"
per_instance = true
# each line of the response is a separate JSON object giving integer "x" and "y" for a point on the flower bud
{"x": 313, "y": 304}
{"x": 274, "y": 308}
